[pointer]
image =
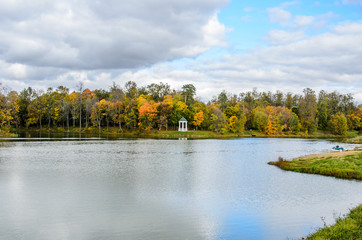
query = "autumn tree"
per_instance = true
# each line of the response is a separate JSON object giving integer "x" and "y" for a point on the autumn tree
{"x": 12, "y": 108}
{"x": 96, "y": 116}
{"x": 260, "y": 120}
{"x": 116, "y": 93}
{"x": 164, "y": 109}
{"x": 64, "y": 104}
{"x": 294, "y": 123}
{"x": 147, "y": 112}
{"x": 198, "y": 119}
{"x": 36, "y": 109}
{"x": 308, "y": 110}
{"x": 180, "y": 110}
{"x": 271, "y": 125}
{"x": 355, "y": 119}
{"x": 130, "y": 113}
{"x": 217, "y": 119}
{"x": 338, "y": 124}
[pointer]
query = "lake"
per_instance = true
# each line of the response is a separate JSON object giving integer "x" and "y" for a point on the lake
{"x": 165, "y": 189}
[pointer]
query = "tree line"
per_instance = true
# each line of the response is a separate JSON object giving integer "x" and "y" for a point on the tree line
{"x": 158, "y": 106}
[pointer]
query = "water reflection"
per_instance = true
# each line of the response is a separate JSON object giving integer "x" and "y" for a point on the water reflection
{"x": 164, "y": 189}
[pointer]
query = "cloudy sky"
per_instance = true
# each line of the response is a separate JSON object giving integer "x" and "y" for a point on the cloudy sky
{"x": 214, "y": 44}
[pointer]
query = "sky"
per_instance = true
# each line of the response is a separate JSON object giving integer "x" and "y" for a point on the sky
{"x": 216, "y": 45}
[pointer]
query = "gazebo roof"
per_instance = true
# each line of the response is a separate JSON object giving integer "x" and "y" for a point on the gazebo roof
{"x": 183, "y": 120}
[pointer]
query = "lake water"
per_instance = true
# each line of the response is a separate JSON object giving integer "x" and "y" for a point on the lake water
{"x": 165, "y": 189}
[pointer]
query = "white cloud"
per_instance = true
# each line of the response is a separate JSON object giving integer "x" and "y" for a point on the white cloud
{"x": 279, "y": 15}
{"x": 73, "y": 41}
{"x": 107, "y": 34}
{"x": 329, "y": 61}
{"x": 288, "y": 4}
{"x": 351, "y": 1}
{"x": 303, "y": 20}
{"x": 278, "y": 37}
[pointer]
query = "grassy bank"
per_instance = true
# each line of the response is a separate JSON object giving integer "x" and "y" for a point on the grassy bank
{"x": 7, "y": 134}
{"x": 357, "y": 140}
{"x": 171, "y": 134}
{"x": 347, "y": 165}
{"x": 349, "y": 227}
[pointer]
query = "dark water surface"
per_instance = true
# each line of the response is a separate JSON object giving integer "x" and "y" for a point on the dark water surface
{"x": 165, "y": 189}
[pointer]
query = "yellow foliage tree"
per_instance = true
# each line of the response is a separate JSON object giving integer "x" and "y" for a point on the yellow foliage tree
{"x": 233, "y": 124}
{"x": 147, "y": 112}
{"x": 198, "y": 119}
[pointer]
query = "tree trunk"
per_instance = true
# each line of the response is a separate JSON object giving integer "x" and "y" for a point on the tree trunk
{"x": 80, "y": 117}
{"x": 120, "y": 125}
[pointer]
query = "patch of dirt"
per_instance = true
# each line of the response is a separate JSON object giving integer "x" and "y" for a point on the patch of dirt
{"x": 330, "y": 154}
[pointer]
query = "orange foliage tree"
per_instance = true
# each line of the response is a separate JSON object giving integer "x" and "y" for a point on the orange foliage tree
{"x": 198, "y": 119}
{"x": 147, "y": 112}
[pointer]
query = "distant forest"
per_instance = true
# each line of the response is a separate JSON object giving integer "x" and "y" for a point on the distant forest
{"x": 158, "y": 106}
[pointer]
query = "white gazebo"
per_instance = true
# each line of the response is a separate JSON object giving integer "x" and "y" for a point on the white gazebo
{"x": 182, "y": 125}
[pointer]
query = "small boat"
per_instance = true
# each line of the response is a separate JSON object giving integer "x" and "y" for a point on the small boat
{"x": 338, "y": 148}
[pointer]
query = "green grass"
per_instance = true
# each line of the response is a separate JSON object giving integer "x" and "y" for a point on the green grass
{"x": 7, "y": 134}
{"x": 199, "y": 134}
{"x": 349, "y": 227}
{"x": 357, "y": 139}
{"x": 347, "y": 167}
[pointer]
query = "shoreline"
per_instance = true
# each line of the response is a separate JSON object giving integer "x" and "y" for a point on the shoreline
{"x": 343, "y": 165}
{"x": 166, "y": 134}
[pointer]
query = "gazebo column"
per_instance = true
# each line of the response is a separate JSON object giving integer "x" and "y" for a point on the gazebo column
{"x": 182, "y": 125}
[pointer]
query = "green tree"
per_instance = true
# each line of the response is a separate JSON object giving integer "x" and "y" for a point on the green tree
{"x": 131, "y": 90}
{"x": 217, "y": 119}
{"x": 338, "y": 124}
{"x": 188, "y": 92}
{"x": 158, "y": 91}
{"x": 222, "y": 99}
{"x": 294, "y": 123}
{"x": 308, "y": 110}
{"x": 322, "y": 114}
{"x": 36, "y": 109}
{"x": 289, "y": 101}
{"x": 260, "y": 120}
{"x": 23, "y": 102}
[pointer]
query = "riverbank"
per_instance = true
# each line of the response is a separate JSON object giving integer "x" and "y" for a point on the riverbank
{"x": 169, "y": 134}
{"x": 347, "y": 227}
{"x": 7, "y": 134}
{"x": 346, "y": 165}
{"x": 357, "y": 140}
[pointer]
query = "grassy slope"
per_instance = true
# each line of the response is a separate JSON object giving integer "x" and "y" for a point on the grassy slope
{"x": 357, "y": 139}
{"x": 348, "y": 166}
{"x": 349, "y": 227}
